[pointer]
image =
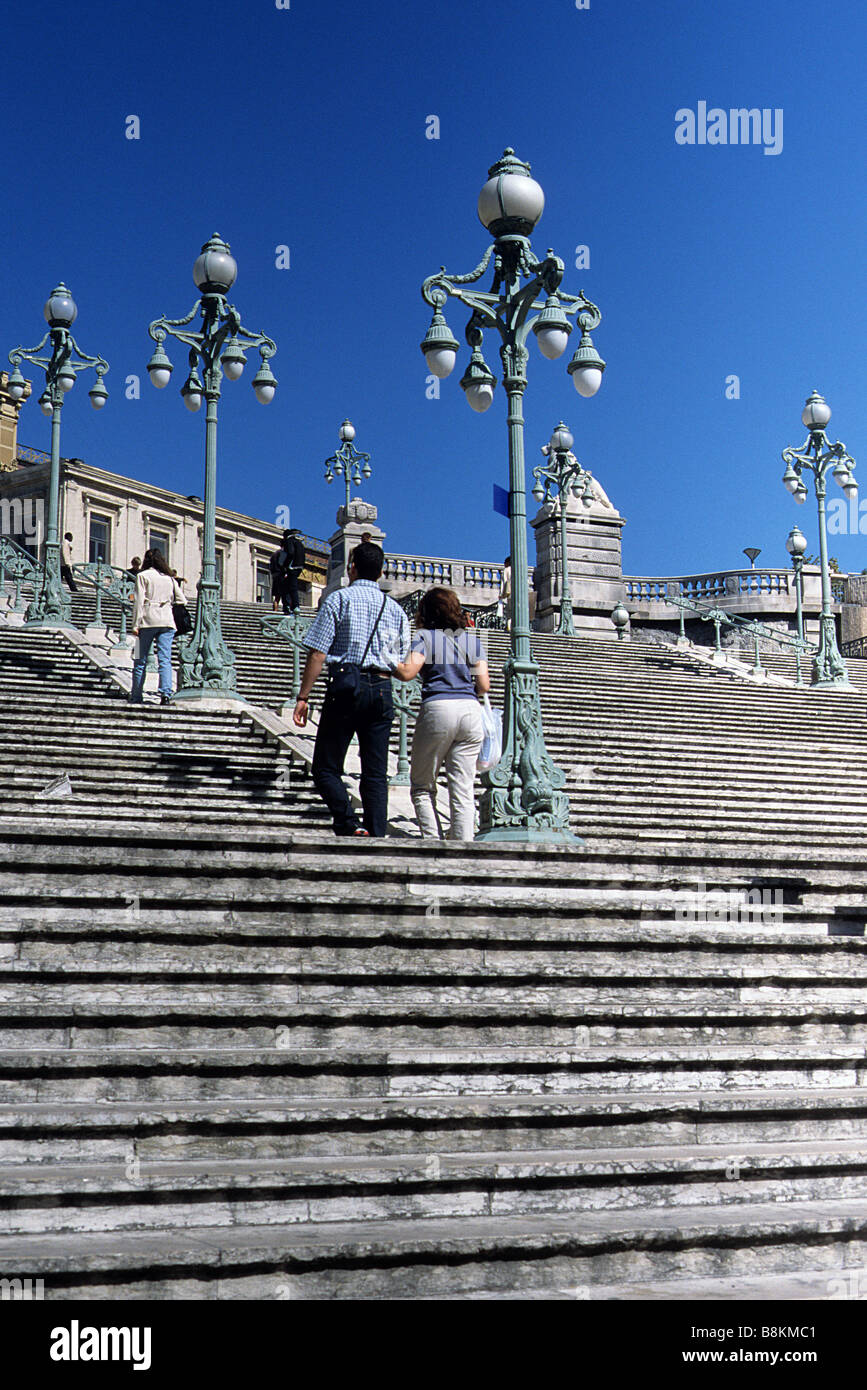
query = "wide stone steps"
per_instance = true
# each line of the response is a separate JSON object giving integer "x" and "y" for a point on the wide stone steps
{"x": 46, "y": 1131}
{"x": 132, "y": 1196}
{"x": 457, "y": 1255}
{"x": 209, "y": 1073}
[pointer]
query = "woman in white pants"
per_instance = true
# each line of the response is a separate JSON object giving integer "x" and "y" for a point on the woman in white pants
{"x": 448, "y": 730}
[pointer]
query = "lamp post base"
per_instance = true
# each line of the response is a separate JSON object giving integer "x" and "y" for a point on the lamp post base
{"x": 523, "y": 800}
{"x": 829, "y": 668}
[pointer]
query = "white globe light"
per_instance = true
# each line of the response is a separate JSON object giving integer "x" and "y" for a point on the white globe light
{"x": 552, "y": 342}
{"x": 441, "y": 361}
{"x": 215, "y": 270}
{"x": 45, "y": 405}
{"x": 66, "y": 381}
{"x": 347, "y": 431}
{"x": 264, "y": 392}
{"x": 233, "y": 369}
{"x": 192, "y": 400}
{"x": 587, "y": 380}
{"x": 480, "y": 397}
{"x": 816, "y": 412}
{"x": 160, "y": 377}
{"x": 510, "y": 198}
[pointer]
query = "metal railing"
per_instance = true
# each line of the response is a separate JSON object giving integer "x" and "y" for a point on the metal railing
{"x": 18, "y": 565}
{"x": 24, "y": 454}
{"x": 758, "y": 631}
{"x": 106, "y": 579}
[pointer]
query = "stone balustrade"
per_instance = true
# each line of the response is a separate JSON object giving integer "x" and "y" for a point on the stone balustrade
{"x": 474, "y": 581}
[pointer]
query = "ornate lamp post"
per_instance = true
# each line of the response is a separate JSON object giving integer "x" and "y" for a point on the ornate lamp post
{"x": 796, "y": 544}
{"x": 523, "y": 799}
{"x": 348, "y": 462}
{"x": 50, "y": 607}
{"x": 819, "y": 456}
{"x": 564, "y": 473}
{"x": 206, "y": 666}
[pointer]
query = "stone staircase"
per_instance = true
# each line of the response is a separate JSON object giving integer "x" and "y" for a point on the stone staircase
{"x": 241, "y": 1059}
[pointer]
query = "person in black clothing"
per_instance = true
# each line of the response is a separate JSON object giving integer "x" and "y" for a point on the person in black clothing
{"x": 286, "y": 565}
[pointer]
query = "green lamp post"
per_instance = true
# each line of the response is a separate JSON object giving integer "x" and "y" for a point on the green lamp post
{"x": 50, "y": 606}
{"x": 818, "y": 456}
{"x": 523, "y": 798}
{"x": 796, "y": 544}
{"x": 564, "y": 474}
{"x": 206, "y": 665}
{"x": 348, "y": 462}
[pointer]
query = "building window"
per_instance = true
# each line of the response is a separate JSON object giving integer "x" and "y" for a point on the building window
{"x": 219, "y": 558}
{"x": 159, "y": 540}
{"x": 99, "y": 544}
{"x": 263, "y": 582}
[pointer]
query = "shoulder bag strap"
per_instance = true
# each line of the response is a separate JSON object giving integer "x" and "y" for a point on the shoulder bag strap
{"x": 373, "y": 629}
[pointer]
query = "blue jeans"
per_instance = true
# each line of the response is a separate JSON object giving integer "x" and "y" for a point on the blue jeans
{"x": 369, "y": 716}
{"x": 146, "y": 637}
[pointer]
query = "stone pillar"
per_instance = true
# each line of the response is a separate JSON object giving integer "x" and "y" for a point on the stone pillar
{"x": 594, "y": 564}
{"x": 359, "y": 520}
{"x": 9, "y": 409}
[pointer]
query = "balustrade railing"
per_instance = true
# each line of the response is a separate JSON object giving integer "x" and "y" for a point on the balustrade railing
{"x": 721, "y": 584}
{"x": 429, "y": 570}
{"x": 106, "y": 579}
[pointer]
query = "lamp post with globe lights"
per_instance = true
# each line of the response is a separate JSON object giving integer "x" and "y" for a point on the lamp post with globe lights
{"x": 348, "y": 462}
{"x": 796, "y": 544}
{"x": 50, "y": 607}
{"x": 564, "y": 473}
{"x": 819, "y": 457}
{"x": 206, "y": 665}
{"x": 523, "y": 798}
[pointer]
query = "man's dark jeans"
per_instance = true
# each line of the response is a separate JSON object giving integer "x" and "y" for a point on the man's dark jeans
{"x": 369, "y": 716}
{"x": 289, "y": 592}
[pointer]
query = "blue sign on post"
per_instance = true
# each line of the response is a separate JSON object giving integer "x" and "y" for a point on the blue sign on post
{"x": 501, "y": 500}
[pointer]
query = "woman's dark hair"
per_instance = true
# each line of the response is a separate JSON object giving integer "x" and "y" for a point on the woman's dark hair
{"x": 441, "y": 608}
{"x": 155, "y": 560}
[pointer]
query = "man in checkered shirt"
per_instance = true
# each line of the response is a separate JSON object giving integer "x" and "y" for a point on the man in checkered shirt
{"x": 340, "y": 633}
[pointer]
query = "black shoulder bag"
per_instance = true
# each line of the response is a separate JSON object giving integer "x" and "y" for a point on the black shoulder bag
{"x": 345, "y": 676}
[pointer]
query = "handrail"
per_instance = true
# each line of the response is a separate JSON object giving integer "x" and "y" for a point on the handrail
{"x": 18, "y": 564}
{"x": 292, "y": 628}
{"x": 720, "y": 618}
{"x": 108, "y": 579}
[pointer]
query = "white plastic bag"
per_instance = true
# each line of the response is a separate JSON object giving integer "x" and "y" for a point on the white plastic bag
{"x": 492, "y": 741}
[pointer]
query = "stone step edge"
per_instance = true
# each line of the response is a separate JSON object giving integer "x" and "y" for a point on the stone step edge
{"x": 428, "y": 1239}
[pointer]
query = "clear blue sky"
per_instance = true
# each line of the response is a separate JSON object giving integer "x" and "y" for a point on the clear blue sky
{"x": 306, "y": 127}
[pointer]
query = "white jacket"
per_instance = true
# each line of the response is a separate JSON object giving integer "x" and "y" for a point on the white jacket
{"x": 154, "y": 595}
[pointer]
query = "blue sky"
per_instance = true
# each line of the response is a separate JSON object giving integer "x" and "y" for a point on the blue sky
{"x": 306, "y": 127}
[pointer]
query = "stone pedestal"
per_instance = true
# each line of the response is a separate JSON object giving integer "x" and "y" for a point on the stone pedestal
{"x": 594, "y": 564}
{"x": 352, "y": 523}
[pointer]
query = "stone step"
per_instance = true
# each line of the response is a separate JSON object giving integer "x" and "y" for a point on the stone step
{"x": 278, "y": 1126}
{"x": 396, "y": 1259}
{"x": 135, "y": 1195}
{"x": 208, "y": 1073}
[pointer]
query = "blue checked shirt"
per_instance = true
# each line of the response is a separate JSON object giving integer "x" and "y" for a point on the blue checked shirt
{"x": 345, "y": 621}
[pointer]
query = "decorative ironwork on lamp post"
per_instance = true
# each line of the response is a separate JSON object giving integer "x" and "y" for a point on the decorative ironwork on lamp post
{"x": 206, "y": 665}
{"x": 348, "y": 462}
{"x": 564, "y": 473}
{"x": 819, "y": 456}
{"x": 523, "y": 797}
{"x": 50, "y": 606}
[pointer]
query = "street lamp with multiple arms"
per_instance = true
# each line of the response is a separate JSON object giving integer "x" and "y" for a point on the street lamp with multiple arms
{"x": 819, "y": 456}
{"x": 206, "y": 665}
{"x": 523, "y": 798}
{"x": 564, "y": 473}
{"x": 50, "y": 606}
{"x": 348, "y": 462}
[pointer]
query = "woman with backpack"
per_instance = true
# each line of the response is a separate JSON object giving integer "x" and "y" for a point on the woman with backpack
{"x": 453, "y": 670}
{"x": 156, "y": 591}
